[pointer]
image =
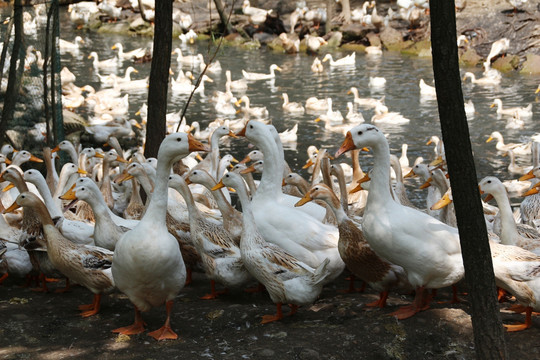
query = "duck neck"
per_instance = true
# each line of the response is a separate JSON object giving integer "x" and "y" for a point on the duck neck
{"x": 147, "y": 185}
{"x": 357, "y": 170}
{"x": 193, "y": 211}
{"x": 157, "y": 208}
{"x": 379, "y": 191}
{"x": 251, "y": 183}
{"x": 344, "y": 197}
{"x": 271, "y": 178}
{"x": 100, "y": 209}
{"x": 45, "y": 193}
{"x": 214, "y": 155}
{"x": 508, "y": 225}
{"x": 43, "y": 214}
{"x": 334, "y": 204}
{"x": 248, "y": 225}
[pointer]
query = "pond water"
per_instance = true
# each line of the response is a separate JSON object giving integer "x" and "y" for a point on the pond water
{"x": 299, "y": 82}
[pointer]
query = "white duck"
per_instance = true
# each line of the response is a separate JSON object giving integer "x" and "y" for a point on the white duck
{"x": 299, "y": 233}
{"x": 517, "y": 148}
{"x": 258, "y": 112}
{"x": 261, "y": 76}
{"x": 483, "y": 81}
{"x": 363, "y": 102}
{"x": 147, "y": 264}
{"x": 353, "y": 116}
{"x": 286, "y": 278}
{"x": 427, "y": 249}
{"x": 523, "y": 112}
{"x": 129, "y": 55}
{"x": 344, "y": 61}
{"x": 291, "y": 107}
{"x": 427, "y": 90}
{"x": 108, "y": 64}
{"x": 382, "y": 116}
{"x": 67, "y": 46}
{"x": 236, "y": 85}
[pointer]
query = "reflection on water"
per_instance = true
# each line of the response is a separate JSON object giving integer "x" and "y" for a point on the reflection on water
{"x": 401, "y": 94}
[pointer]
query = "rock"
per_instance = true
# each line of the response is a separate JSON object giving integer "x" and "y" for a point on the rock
{"x": 507, "y": 63}
{"x": 353, "y": 31}
{"x": 267, "y": 353}
{"x": 251, "y": 45}
{"x": 308, "y": 354}
{"x": 392, "y": 39}
{"x": 374, "y": 39}
{"x": 263, "y": 38}
{"x": 335, "y": 40}
{"x": 418, "y": 48}
{"x": 531, "y": 65}
{"x": 353, "y": 47}
{"x": 470, "y": 58}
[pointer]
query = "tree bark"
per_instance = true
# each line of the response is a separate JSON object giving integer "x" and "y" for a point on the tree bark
{"x": 159, "y": 78}
{"x": 329, "y": 16}
{"x": 227, "y": 28}
{"x": 486, "y": 321}
{"x": 346, "y": 11}
{"x": 12, "y": 91}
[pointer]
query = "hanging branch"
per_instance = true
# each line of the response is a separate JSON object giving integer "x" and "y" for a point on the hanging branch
{"x": 203, "y": 72}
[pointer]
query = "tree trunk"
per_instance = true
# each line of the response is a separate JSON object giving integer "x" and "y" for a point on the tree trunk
{"x": 159, "y": 78}
{"x": 226, "y": 24}
{"x": 486, "y": 321}
{"x": 346, "y": 11}
{"x": 329, "y": 16}
{"x": 12, "y": 91}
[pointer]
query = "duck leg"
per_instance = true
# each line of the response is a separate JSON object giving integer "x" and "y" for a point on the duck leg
{"x": 43, "y": 281}
{"x": 351, "y": 288}
{"x": 526, "y": 325}
{"x": 420, "y": 303}
{"x": 93, "y": 308}
{"x": 270, "y": 318}
{"x": 294, "y": 309}
{"x": 381, "y": 302}
{"x": 165, "y": 332}
{"x": 213, "y": 293}
{"x": 136, "y": 328}
{"x": 189, "y": 274}
{"x": 65, "y": 289}
{"x": 3, "y": 277}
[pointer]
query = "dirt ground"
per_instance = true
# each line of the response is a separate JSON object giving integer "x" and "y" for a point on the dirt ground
{"x": 338, "y": 326}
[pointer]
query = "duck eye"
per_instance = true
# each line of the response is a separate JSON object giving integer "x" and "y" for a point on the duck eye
{"x": 179, "y": 139}
{"x": 359, "y": 133}
{"x": 489, "y": 182}
{"x": 251, "y": 126}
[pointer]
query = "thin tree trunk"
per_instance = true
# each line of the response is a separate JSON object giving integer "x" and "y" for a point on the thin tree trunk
{"x": 159, "y": 78}
{"x": 329, "y": 16}
{"x": 12, "y": 90}
{"x": 486, "y": 321}
{"x": 346, "y": 11}
{"x": 227, "y": 28}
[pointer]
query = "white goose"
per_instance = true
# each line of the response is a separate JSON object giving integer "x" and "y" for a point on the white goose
{"x": 147, "y": 264}
{"x": 427, "y": 249}
{"x": 300, "y": 234}
{"x": 261, "y": 76}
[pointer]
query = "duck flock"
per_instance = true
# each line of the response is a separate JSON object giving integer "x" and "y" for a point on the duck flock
{"x": 89, "y": 225}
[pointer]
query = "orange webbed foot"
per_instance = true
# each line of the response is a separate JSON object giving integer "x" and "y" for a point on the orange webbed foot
{"x": 163, "y": 333}
{"x": 270, "y": 318}
{"x": 517, "y": 327}
{"x": 89, "y": 312}
{"x": 380, "y": 302}
{"x": 86, "y": 307}
{"x": 133, "y": 329}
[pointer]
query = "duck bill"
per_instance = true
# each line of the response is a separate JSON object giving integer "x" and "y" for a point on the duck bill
{"x": 99, "y": 155}
{"x": 248, "y": 170}
{"x": 12, "y": 208}
{"x": 437, "y": 161}
{"x": 232, "y": 134}
{"x": 56, "y": 148}
{"x": 7, "y": 161}
{"x": 243, "y": 131}
{"x": 488, "y": 198}
{"x": 527, "y": 176}
{"x": 245, "y": 160}
{"x": 218, "y": 186}
{"x": 196, "y": 145}
{"x": 35, "y": 159}
{"x": 307, "y": 198}
{"x": 410, "y": 174}
{"x": 308, "y": 164}
{"x": 444, "y": 201}
{"x": 530, "y": 192}
{"x": 429, "y": 142}
{"x": 366, "y": 178}
{"x": 70, "y": 194}
{"x": 348, "y": 144}
{"x": 8, "y": 187}
{"x": 489, "y": 139}
{"x": 124, "y": 176}
{"x": 356, "y": 189}
{"x": 81, "y": 171}
{"x": 122, "y": 160}
{"x": 426, "y": 184}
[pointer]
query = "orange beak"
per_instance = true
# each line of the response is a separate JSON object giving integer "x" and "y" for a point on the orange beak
{"x": 307, "y": 198}
{"x": 70, "y": 194}
{"x": 218, "y": 186}
{"x": 196, "y": 145}
{"x": 347, "y": 145}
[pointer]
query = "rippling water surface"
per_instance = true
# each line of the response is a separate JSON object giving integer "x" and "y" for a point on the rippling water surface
{"x": 401, "y": 95}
